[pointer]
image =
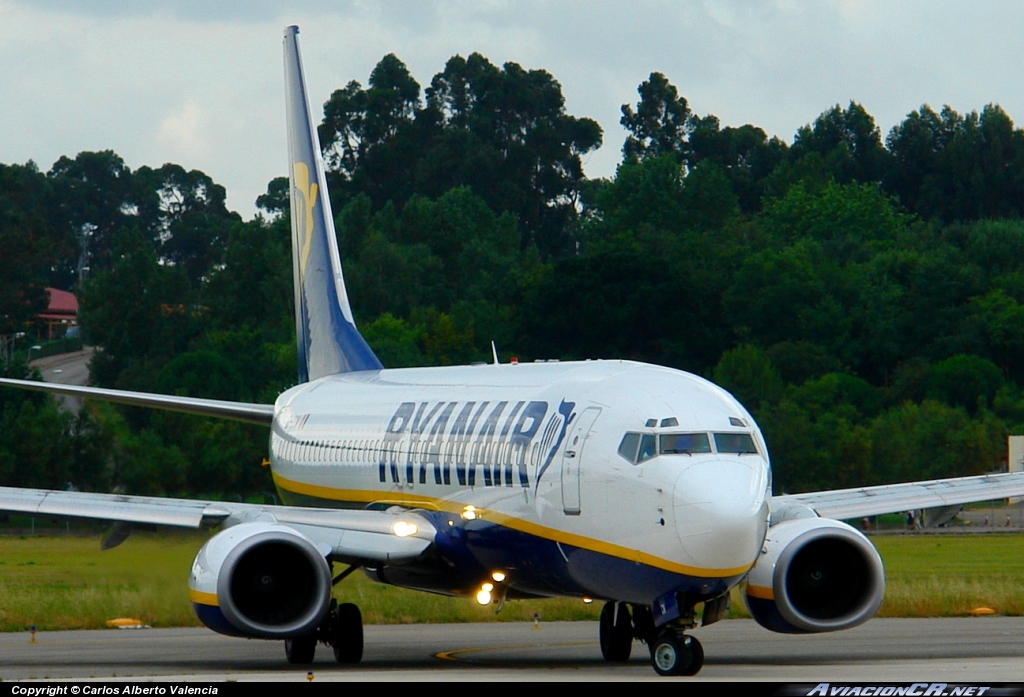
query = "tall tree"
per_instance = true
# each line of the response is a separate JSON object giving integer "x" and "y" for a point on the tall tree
{"x": 503, "y": 132}
{"x": 30, "y": 246}
{"x": 94, "y": 196}
{"x": 954, "y": 167}
{"x": 138, "y": 310}
{"x": 849, "y": 142}
{"x": 661, "y": 122}
{"x": 187, "y": 211}
{"x": 746, "y": 155}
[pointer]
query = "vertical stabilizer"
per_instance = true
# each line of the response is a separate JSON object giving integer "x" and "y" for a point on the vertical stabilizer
{"x": 328, "y": 340}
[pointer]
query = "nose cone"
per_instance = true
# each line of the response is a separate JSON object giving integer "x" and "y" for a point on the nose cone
{"x": 721, "y": 513}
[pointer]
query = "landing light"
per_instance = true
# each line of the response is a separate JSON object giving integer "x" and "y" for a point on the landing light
{"x": 498, "y": 576}
{"x": 587, "y": 601}
{"x": 403, "y": 528}
{"x": 483, "y": 596}
{"x": 469, "y": 513}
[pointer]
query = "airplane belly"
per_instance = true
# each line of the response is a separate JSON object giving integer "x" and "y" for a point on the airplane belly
{"x": 542, "y": 566}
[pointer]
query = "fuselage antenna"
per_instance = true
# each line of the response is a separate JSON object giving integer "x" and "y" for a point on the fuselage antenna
{"x": 494, "y": 352}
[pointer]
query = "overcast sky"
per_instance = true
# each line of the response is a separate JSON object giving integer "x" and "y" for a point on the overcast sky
{"x": 199, "y": 83}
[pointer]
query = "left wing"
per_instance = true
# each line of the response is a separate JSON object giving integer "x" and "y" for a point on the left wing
{"x": 352, "y": 535}
{"x": 843, "y": 504}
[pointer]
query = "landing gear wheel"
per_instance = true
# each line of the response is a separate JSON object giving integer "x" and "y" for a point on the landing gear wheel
{"x": 676, "y": 655}
{"x": 300, "y": 650}
{"x": 616, "y": 630}
{"x": 696, "y": 657}
{"x": 347, "y": 634}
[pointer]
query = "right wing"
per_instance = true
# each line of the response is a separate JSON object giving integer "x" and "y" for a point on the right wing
{"x": 351, "y": 535}
{"x": 247, "y": 412}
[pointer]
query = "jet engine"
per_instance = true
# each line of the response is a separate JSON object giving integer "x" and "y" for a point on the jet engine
{"x": 262, "y": 580}
{"x": 815, "y": 575}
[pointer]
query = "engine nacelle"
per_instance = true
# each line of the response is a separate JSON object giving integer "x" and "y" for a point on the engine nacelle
{"x": 815, "y": 575}
{"x": 260, "y": 580}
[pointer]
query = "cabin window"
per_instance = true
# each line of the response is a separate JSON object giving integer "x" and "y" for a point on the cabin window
{"x": 738, "y": 443}
{"x": 683, "y": 443}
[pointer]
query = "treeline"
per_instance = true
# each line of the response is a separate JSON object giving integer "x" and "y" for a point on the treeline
{"x": 862, "y": 296}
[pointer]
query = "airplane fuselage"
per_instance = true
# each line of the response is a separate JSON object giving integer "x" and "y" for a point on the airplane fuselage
{"x": 569, "y": 478}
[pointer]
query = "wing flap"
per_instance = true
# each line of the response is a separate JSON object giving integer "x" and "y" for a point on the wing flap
{"x": 891, "y": 498}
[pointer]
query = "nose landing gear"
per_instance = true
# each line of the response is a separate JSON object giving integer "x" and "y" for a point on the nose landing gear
{"x": 675, "y": 653}
{"x": 672, "y": 651}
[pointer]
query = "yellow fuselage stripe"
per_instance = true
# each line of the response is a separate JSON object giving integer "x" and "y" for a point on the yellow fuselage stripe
{"x": 555, "y": 535}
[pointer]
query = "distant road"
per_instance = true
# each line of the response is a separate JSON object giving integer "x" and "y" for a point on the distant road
{"x": 66, "y": 369}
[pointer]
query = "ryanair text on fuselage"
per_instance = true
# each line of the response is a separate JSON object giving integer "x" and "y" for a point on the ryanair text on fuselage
{"x": 484, "y": 443}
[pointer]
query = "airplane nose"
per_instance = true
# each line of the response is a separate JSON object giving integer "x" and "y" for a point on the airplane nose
{"x": 721, "y": 512}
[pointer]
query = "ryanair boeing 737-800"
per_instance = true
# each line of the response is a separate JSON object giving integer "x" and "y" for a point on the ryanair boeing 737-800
{"x": 645, "y": 487}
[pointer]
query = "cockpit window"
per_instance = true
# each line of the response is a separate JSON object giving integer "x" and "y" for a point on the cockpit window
{"x": 687, "y": 443}
{"x": 627, "y": 448}
{"x": 640, "y": 447}
{"x": 741, "y": 443}
{"x": 647, "y": 450}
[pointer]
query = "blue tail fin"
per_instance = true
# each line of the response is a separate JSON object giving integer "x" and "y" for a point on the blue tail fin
{"x": 328, "y": 340}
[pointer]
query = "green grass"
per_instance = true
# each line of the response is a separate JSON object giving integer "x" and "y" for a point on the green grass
{"x": 65, "y": 582}
{"x": 950, "y": 575}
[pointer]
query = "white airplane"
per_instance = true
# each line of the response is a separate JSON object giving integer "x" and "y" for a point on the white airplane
{"x": 642, "y": 486}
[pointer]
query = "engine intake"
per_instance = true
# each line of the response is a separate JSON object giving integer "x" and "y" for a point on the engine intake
{"x": 815, "y": 575}
{"x": 260, "y": 580}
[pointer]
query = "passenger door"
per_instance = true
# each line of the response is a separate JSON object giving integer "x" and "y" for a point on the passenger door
{"x": 572, "y": 460}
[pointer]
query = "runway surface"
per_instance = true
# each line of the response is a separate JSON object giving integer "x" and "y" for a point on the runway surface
{"x": 979, "y": 650}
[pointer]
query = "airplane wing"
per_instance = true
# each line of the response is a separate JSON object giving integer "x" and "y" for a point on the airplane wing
{"x": 351, "y": 535}
{"x": 247, "y": 412}
{"x": 843, "y": 504}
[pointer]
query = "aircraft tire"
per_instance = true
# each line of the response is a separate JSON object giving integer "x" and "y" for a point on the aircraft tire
{"x": 347, "y": 635}
{"x": 676, "y": 655}
{"x": 300, "y": 650}
{"x": 616, "y": 633}
{"x": 696, "y": 657}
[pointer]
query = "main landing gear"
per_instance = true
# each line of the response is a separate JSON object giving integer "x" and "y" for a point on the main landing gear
{"x": 342, "y": 630}
{"x": 616, "y": 630}
{"x": 672, "y": 651}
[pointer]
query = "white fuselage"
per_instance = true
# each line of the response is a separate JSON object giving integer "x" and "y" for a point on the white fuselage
{"x": 527, "y": 456}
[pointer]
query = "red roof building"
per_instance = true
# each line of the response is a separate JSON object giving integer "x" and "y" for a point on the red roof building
{"x": 61, "y": 313}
